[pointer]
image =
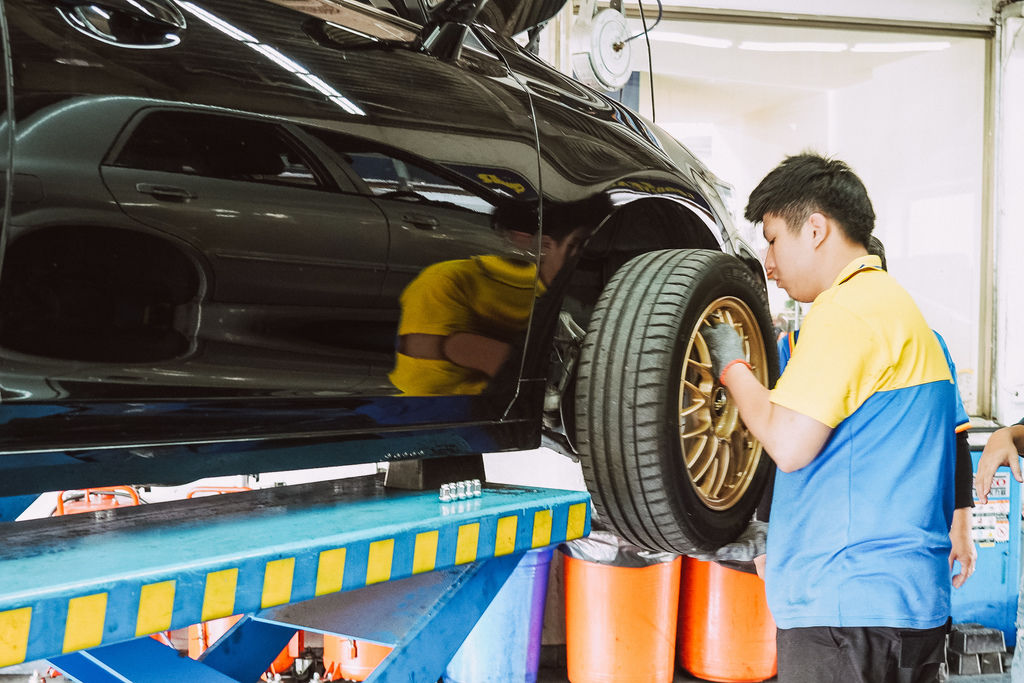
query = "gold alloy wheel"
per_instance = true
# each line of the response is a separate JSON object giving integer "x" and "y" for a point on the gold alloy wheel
{"x": 720, "y": 454}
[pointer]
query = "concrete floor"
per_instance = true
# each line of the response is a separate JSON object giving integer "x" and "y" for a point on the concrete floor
{"x": 551, "y": 673}
{"x": 556, "y": 675}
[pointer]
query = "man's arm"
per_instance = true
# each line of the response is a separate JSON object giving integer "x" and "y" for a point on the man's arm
{"x": 1003, "y": 448}
{"x": 963, "y": 550}
{"x": 476, "y": 351}
{"x": 465, "y": 349}
{"x": 963, "y": 479}
{"x": 792, "y": 439}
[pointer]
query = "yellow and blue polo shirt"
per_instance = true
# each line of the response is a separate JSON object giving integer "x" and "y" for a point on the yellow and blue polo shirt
{"x": 860, "y": 536}
{"x": 962, "y": 422}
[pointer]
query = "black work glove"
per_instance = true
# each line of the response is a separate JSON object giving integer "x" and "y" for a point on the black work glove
{"x": 724, "y": 345}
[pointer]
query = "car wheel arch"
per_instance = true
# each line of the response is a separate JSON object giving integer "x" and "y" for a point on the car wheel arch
{"x": 647, "y": 224}
{"x": 53, "y": 269}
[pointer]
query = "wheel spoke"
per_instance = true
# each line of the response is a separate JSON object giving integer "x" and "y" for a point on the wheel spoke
{"x": 705, "y": 458}
{"x": 700, "y": 428}
{"x": 740, "y": 439}
{"x": 697, "y": 399}
{"x": 704, "y": 369}
{"x": 723, "y": 465}
{"x": 705, "y": 486}
{"x": 697, "y": 449}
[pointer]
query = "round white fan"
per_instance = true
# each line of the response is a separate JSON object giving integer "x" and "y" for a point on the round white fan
{"x": 600, "y": 49}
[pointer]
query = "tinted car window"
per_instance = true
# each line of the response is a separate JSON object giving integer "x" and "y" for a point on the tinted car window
{"x": 347, "y": 20}
{"x": 217, "y": 147}
{"x": 388, "y": 175}
{"x": 6, "y": 135}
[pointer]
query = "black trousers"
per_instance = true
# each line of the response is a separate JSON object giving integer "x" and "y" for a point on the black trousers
{"x": 824, "y": 654}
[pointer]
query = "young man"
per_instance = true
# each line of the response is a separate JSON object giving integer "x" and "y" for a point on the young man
{"x": 859, "y": 425}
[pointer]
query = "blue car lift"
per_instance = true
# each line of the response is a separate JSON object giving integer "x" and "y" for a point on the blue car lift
{"x": 344, "y": 557}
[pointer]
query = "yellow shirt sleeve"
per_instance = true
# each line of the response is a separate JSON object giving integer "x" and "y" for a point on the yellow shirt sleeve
{"x": 834, "y": 368}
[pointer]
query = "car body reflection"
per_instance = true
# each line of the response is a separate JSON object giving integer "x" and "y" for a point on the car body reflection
{"x": 214, "y": 240}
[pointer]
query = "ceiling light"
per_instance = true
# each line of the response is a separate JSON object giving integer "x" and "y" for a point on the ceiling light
{"x": 792, "y": 47}
{"x": 900, "y": 47}
{"x": 689, "y": 39}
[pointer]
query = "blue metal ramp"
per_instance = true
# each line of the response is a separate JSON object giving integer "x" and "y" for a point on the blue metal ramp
{"x": 95, "y": 580}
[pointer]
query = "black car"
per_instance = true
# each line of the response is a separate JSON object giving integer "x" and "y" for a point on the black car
{"x": 259, "y": 235}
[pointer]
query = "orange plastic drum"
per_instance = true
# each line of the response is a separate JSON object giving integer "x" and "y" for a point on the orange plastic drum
{"x": 100, "y": 498}
{"x": 287, "y": 656}
{"x": 202, "y": 636}
{"x": 620, "y": 622}
{"x": 726, "y": 632}
{"x": 351, "y": 660}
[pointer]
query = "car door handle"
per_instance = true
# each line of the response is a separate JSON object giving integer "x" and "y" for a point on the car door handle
{"x": 166, "y": 192}
{"x": 127, "y": 23}
{"x": 421, "y": 221}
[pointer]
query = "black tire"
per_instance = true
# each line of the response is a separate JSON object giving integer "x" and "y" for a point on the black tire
{"x": 635, "y": 417}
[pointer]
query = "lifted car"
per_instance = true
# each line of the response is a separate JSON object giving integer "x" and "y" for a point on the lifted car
{"x": 260, "y": 235}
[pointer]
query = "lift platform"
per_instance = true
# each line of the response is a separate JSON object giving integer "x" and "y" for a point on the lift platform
{"x": 349, "y": 557}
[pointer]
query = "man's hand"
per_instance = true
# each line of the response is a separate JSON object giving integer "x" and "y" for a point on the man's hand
{"x": 1002, "y": 448}
{"x": 963, "y": 550}
{"x": 724, "y": 345}
{"x": 747, "y": 548}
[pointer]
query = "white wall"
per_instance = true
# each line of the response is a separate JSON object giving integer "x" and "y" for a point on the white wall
{"x": 741, "y": 149}
{"x": 931, "y": 11}
{"x": 914, "y": 134}
{"x": 1009, "y": 318}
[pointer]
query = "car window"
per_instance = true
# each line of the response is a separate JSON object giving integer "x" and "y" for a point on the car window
{"x": 390, "y": 175}
{"x": 216, "y": 146}
{"x": 6, "y": 141}
{"x": 366, "y": 20}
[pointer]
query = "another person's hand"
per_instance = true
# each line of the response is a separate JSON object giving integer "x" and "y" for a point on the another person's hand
{"x": 1000, "y": 449}
{"x": 725, "y": 346}
{"x": 759, "y": 563}
{"x": 963, "y": 550}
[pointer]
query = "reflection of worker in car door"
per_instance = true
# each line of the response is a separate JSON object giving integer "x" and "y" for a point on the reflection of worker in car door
{"x": 460, "y": 317}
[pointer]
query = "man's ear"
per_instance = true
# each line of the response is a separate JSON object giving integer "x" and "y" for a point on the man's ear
{"x": 820, "y": 228}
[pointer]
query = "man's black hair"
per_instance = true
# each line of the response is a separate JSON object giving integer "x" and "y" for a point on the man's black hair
{"x": 809, "y": 183}
{"x": 876, "y": 248}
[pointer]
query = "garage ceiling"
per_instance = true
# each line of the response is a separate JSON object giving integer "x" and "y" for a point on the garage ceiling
{"x": 743, "y": 67}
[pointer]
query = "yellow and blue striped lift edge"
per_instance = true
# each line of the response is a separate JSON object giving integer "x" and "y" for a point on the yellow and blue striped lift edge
{"x": 81, "y": 581}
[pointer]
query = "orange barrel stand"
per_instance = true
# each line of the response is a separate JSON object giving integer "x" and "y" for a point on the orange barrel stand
{"x": 351, "y": 660}
{"x": 205, "y": 634}
{"x": 287, "y": 656}
{"x": 100, "y": 498}
{"x": 726, "y": 632}
{"x": 620, "y": 622}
